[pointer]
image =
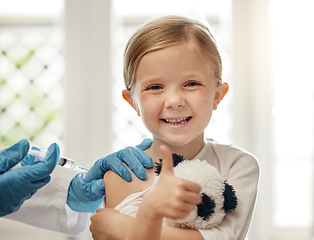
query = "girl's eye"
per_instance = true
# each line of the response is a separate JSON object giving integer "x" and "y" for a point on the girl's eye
{"x": 192, "y": 84}
{"x": 154, "y": 87}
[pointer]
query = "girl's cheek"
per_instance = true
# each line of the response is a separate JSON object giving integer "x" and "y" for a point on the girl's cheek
{"x": 150, "y": 106}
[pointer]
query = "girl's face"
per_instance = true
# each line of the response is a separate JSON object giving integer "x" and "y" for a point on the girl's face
{"x": 175, "y": 92}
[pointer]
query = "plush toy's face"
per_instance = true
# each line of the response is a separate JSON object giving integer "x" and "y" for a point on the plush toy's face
{"x": 218, "y": 196}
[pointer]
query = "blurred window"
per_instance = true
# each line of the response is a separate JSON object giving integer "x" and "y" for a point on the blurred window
{"x": 293, "y": 112}
{"x": 31, "y": 72}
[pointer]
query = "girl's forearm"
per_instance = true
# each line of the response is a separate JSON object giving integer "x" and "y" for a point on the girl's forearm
{"x": 145, "y": 226}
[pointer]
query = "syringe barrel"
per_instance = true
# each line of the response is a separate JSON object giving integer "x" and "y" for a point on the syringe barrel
{"x": 67, "y": 163}
{"x": 41, "y": 154}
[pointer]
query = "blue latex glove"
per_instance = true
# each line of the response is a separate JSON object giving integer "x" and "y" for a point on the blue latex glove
{"x": 19, "y": 184}
{"x": 87, "y": 190}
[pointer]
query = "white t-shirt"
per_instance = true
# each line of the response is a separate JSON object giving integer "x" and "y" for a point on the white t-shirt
{"x": 47, "y": 208}
{"x": 241, "y": 170}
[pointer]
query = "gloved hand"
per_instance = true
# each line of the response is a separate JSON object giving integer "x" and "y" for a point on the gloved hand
{"x": 87, "y": 190}
{"x": 19, "y": 184}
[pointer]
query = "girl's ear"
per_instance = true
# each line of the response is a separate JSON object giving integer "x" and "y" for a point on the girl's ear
{"x": 221, "y": 91}
{"x": 126, "y": 94}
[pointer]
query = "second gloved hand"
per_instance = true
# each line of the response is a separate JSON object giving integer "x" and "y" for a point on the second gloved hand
{"x": 19, "y": 184}
{"x": 87, "y": 190}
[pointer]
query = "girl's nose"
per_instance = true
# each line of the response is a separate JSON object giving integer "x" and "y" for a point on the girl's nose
{"x": 174, "y": 99}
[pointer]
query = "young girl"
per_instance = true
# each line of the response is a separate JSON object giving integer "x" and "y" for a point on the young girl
{"x": 172, "y": 72}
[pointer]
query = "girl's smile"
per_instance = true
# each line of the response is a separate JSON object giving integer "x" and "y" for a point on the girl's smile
{"x": 176, "y": 121}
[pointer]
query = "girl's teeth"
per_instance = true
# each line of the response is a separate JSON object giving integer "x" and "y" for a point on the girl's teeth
{"x": 176, "y": 121}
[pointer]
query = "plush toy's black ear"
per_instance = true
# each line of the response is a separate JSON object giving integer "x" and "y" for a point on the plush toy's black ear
{"x": 230, "y": 197}
{"x": 176, "y": 159}
{"x": 206, "y": 208}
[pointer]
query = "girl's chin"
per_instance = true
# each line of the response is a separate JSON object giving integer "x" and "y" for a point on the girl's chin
{"x": 174, "y": 142}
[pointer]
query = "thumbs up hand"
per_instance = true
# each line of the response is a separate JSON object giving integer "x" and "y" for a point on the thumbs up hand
{"x": 172, "y": 197}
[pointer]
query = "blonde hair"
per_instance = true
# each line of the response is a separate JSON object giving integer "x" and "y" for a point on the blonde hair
{"x": 164, "y": 32}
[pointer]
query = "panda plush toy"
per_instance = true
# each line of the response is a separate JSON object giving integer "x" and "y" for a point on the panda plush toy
{"x": 218, "y": 197}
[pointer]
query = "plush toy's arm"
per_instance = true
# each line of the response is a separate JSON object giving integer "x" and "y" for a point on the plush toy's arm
{"x": 230, "y": 198}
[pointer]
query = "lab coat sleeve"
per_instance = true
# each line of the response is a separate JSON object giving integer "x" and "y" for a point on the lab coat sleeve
{"x": 47, "y": 208}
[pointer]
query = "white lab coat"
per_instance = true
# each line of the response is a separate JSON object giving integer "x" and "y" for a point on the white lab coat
{"x": 47, "y": 208}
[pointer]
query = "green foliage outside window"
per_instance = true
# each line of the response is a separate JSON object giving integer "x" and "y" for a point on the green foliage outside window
{"x": 31, "y": 94}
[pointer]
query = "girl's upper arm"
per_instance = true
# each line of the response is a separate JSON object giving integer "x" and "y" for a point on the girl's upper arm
{"x": 114, "y": 186}
{"x": 117, "y": 189}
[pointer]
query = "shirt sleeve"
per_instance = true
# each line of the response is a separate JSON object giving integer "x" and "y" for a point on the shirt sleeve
{"x": 47, "y": 208}
{"x": 242, "y": 172}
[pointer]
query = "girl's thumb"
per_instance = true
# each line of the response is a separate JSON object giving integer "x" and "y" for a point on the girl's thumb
{"x": 167, "y": 160}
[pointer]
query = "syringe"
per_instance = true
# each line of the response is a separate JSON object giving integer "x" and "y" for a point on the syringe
{"x": 64, "y": 162}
